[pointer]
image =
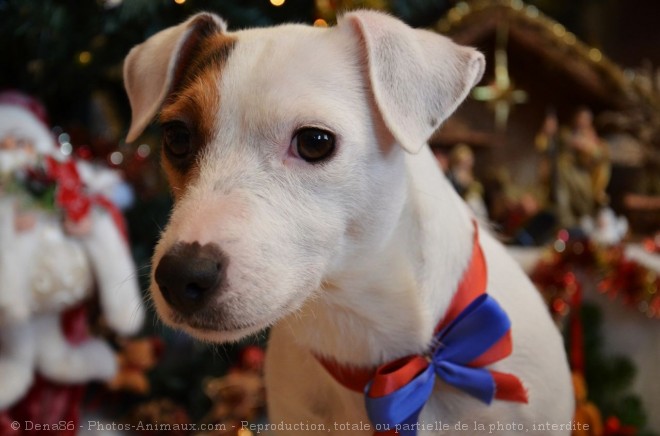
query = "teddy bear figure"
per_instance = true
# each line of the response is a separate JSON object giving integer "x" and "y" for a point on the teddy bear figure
{"x": 137, "y": 356}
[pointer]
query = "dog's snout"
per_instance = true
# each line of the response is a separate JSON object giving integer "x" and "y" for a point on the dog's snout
{"x": 189, "y": 275}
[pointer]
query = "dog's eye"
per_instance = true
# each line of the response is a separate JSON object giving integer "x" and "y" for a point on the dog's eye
{"x": 176, "y": 139}
{"x": 313, "y": 145}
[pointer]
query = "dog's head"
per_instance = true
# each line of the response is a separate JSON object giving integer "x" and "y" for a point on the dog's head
{"x": 280, "y": 146}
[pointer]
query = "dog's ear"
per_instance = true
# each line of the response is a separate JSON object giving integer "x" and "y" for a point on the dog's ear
{"x": 153, "y": 69}
{"x": 417, "y": 77}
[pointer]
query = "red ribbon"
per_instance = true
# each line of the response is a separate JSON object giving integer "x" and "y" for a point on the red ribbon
{"x": 72, "y": 198}
{"x": 576, "y": 353}
{"x": 70, "y": 194}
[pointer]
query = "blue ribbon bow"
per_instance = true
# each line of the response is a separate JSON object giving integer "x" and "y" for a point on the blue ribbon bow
{"x": 472, "y": 333}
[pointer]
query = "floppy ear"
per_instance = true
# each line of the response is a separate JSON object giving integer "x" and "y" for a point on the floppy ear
{"x": 153, "y": 69}
{"x": 417, "y": 77}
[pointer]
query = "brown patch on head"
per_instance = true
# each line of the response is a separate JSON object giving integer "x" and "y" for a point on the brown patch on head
{"x": 195, "y": 101}
{"x": 177, "y": 179}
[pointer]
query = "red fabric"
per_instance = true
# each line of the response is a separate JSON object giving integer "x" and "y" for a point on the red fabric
{"x": 576, "y": 332}
{"x": 509, "y": 388}
{"x": 73, "y": 199}
{"x": 350, "y": 377}
{"x": 472, "y": 284}
{"x": 5, "y": 423}
{"x": 74, "y": 324}
{"x": 70, "y": 195}
{"x": 48, "y": 403}
{"x": 499, "y": 351}
{"x": 395, "y": 375}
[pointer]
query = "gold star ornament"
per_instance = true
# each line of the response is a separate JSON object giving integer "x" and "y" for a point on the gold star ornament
{"x": 501, "y": 94}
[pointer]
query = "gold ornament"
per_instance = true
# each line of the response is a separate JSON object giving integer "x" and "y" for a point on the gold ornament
{"x": 329, "y": 9}
{"x": 500, "y": 94}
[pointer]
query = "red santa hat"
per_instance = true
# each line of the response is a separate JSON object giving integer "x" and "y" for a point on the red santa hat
{"x": 17, "y": 98}
{"x": 25, "y": 117}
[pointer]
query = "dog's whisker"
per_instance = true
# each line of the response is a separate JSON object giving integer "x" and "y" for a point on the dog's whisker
{"x": 157, "y": 224}
{"x": 147, "y": 300}
{"x": 144, "y": 267}
{"x": 157, "y": 324}
{"x": 217, "y": 351}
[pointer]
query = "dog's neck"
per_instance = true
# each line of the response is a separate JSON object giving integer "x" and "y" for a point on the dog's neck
{"x": 388, "y": 304}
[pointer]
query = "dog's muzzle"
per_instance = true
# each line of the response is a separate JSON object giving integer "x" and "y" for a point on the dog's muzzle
{"x": 189, "y": 275}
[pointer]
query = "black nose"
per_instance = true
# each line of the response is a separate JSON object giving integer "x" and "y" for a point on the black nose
{"x": 189, "y": 275}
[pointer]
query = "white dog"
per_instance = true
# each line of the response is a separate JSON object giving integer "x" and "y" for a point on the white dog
{"x": 307, "y": 200}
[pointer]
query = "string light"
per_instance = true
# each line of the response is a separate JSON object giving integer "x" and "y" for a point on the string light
{"x": 320, "y": 22}
{"x": 143, "y": 150}
{"x": 570, "y": 38}
{"x": 84, "y": 57}
{"x": 277, "y": 2}
{"x": 595, "y": 55}
{"x": 559, "y": 245}
{"x": 116, "y": 158}
{"x": 532, "y": 11}
{"x": 179, "y": 2}
{"x": 66, "y": 148}
{"x": 63, "y": 137}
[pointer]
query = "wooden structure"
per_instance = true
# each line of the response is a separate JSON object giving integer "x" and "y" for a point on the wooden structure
{"x": 558, "y": 72}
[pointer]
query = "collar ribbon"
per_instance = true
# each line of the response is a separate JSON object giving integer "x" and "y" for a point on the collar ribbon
{"x": 474, "y": 333}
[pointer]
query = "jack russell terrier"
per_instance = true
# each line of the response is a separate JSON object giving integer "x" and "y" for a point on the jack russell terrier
{"x": 307, "y": 200}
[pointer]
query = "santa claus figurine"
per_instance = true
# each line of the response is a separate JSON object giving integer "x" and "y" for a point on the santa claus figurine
{"x": 61, "y": 242}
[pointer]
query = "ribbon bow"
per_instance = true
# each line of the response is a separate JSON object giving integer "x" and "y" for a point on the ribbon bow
{"x": 70, "y": 194}
{"x": 480, "y": 335}
{"x": 72, "y": 197}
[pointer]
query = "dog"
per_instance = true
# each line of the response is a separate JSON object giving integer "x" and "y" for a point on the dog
{"x": 306, "y": 200}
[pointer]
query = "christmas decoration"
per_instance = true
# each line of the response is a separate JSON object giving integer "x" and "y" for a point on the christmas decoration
{"x": 238, "y": 396}
{"x": 652, "y": 245}
{"x": 460, "y": 174}
{"x": 606, "y": 228}
{"x": 159, "y": 417}
{"x": 609, "y": 379}
{"x": 575, "y": 173}
{"x": 501, "y": 94}
{"x": 620, "y": 277}
{"x": 527, "y": 18}
{"x": 60, "y": 240}
{"x": 560, "y": 73}
{"x": 328, "y": 9}
{"x": 586, "y": 412}
{"x": 135, "y": 358}
{"x": 561, "y": 275}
